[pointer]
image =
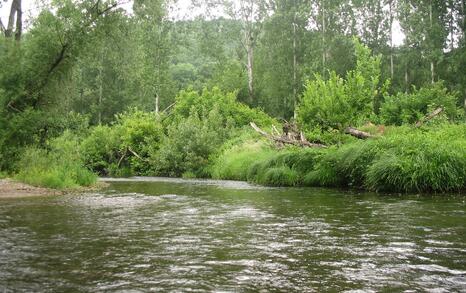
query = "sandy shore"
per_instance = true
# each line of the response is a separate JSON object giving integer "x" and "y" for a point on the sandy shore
{"x": 14, "y": 189}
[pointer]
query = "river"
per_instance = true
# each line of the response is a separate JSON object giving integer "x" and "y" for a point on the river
{"x": 155, "y": 234}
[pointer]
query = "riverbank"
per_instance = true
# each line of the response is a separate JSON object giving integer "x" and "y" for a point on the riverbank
{"x": 13, "y": 189}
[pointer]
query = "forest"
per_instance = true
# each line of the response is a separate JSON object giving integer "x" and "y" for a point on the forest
{"x": 364, "y": 94}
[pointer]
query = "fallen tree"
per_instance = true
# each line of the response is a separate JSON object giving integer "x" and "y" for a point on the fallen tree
{"x": 429, "y": 116}
{"x": 287, "y": 137}
{"x": 358, "y": 133}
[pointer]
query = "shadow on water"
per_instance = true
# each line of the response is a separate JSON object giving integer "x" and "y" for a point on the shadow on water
{"x": 203, "y": 235}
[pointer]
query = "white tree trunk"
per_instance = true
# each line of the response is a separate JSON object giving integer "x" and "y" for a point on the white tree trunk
{"x": 250, "y": 62}
{"x": 391, "y": 39}
{"x": 294, "y": 67}
{"x": 324, "y": 49}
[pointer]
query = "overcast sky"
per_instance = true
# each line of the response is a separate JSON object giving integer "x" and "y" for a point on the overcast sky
{"x": 183, "y": 10}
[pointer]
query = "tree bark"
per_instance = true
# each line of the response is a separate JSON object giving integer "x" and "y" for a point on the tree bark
{"x": 284, "y": 139}
{"x": 324, "y": 51}
{"x": 432, "y": 67}
{"x": 101, "y": 84}
{"x": 358, "y": 133}
{"x": 2, "y": 27}
{"x": 429, "y": 116}
{"x": 250, "y": 56}
{"x": 294, "y": 66}
{"x": 19, "y": 21}
{"x": 15, "y": 12}
{"x": 391, "y": 39}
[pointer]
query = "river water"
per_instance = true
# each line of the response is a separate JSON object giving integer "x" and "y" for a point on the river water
{"x": 153, "y": 234}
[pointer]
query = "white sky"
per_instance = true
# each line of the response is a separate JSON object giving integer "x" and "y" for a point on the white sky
{"x": 182, "y": 10}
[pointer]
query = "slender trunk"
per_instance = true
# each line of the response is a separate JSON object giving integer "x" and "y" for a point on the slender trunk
{"x": 324, "y": 50}
{"x": 101, "y": 85}
{"x": 19, "y": 21}
{"x": 2, "y": 27}
{"x": 250, "y": 62}
{"x": 432, "y": 67}
{"x": 294, "y": 66}
{"x": 406, "y": 78}
{"x": 14, "y": 11}
{"x": 452, "y": 33}
{"x": 391, "y": 39}
{"x": 157, "y": 103}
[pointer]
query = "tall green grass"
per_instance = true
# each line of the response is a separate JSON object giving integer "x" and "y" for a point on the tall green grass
{"x": 58, "y": 167}
{"x": 404, "y": 160}
{"x": 234, "y": 162}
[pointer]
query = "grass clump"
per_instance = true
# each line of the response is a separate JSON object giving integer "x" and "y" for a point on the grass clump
{"x": 405, "y": 160}
{"x": 234, "y": 162}
{"x": 421, "y": 162}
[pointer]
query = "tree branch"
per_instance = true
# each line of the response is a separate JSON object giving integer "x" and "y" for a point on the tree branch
{"x": 283, "y": 139}
{"x": 429, "y": 117}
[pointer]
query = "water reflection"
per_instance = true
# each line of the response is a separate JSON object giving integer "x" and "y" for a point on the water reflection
{"x": 211, "y": 236}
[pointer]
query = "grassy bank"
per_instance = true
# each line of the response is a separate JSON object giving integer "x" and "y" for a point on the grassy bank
{"x": 207, "y": 135}
{"x": 58, "y": 167}
{"x": 403, "y": 160}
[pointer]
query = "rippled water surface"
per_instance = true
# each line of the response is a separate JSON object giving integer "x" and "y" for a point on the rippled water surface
{"x": 177, "y": 235}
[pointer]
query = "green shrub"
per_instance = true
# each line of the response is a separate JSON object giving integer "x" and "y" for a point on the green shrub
{"x": 59, "y": 167}
{"x": 407, "y": 108}
{"x": 190, "y": 143}
{"x": 125, "y": 147}
{"x": 228, "y": 107}
{"x": 3, "y": 174}
{"x": 325, "y": 171}
{"x": 335, "y": 103}
{"x": 421, "y": 162}
{"x": 101, "y": 149}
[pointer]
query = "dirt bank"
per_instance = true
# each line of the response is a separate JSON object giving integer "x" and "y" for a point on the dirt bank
{"x": 13, "y": 189}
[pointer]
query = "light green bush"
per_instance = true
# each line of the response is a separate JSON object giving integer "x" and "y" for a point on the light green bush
{"x": 125, "y": 147}
{"x": 190, "y": 143}
{"x": 407, "y": 108}
{"x": 335, "y": 103}
{"x": 58, "y": 167}
{"x": 228, "y": 107}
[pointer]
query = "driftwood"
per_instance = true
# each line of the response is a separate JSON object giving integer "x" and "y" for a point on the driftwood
{"x": 287, "y": 138}
{"x": 429, "y": 116}
{"x": 129, "y": 149}
{"x": 358, "y": 133}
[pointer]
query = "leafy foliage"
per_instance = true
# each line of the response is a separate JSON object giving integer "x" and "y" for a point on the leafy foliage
{"x": 125, "y": 147}
{"x": 58, "y": 167}
{"x": 407, "y": 108}
{"x": 336, "y": 103}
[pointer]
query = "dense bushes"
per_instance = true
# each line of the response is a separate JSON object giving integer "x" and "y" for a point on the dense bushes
{"x": 176, "y": 144}
{"x": 188, "y": 145}
{"x": 123, "y": 148}
{"x": 407, "y": 108}
{"x": 335, "y": 103}
{"x": 235, "y": 160}
{"x": 229, "y": 109}
{"x": 58, "y": 167}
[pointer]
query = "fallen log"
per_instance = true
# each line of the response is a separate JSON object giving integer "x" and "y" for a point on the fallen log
{"x": 285, "y": 138}
{"x": 358, "y": 133}
{"x": 429, "y": 116}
